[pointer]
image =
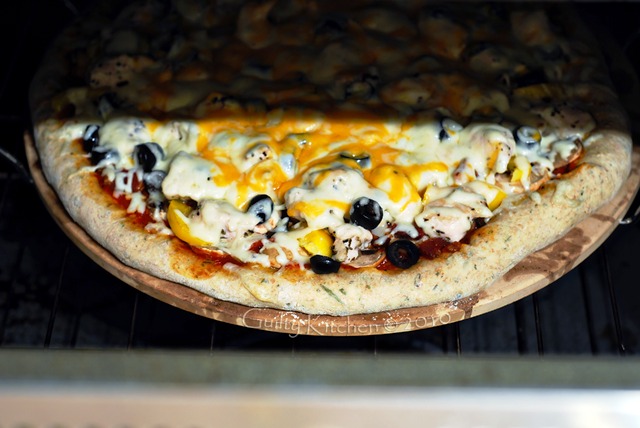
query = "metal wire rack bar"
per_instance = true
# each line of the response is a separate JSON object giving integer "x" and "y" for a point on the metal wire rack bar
{"x": 77, "y": 318}
{"x": 9, "y": 180}
{"x": 56, "y": 300}
{"x": 614, "y": 305}
{"x": 451, "y": 338}
{"x": 588, "y": 315}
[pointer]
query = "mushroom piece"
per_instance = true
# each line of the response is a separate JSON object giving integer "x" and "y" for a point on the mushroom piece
{"x": 367, "y": 260}
{"x": 538, "y": 177}
{"x": 565, "y": 162}
{"x": 277, "y": 259}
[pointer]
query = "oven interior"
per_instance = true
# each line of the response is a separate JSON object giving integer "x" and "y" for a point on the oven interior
{"x": 62, "y": 316}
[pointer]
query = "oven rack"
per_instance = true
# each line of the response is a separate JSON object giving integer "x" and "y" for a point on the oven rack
{"x": 53, "y": 296}
{"x": 59, "y": 310}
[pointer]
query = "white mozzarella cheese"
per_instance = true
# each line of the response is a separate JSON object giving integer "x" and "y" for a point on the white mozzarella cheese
{"x": 445, "y": 222}
{"x": 122, "y": 135}
{"x": 220, "y": 223}
{"x": 192, "y": 177}
{"x": 175, "y": 137}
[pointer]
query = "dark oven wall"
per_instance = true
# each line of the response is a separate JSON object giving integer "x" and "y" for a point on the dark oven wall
{"x": 53, "y": 296}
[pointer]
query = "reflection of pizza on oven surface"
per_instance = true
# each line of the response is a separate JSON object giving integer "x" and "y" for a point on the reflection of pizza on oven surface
{"x": 328, "y": 157}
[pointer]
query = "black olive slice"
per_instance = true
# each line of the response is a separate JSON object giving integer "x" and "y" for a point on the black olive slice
{"x": 154, "y": 179}
{"x": 147, "y": 155}
{"x": 261, "y": 206}
{"x": 448, "y": 128}
{"x": 104, "y": 156}
{"x": 403, "y": 253}
{"x": 323, "y": 264}
{"x": 366, "y": 213}
{"x": 91, "y": 138}
{"x": 527, "y": 137}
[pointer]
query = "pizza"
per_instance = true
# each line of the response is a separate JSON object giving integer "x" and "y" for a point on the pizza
{"x": 328, "y": 157}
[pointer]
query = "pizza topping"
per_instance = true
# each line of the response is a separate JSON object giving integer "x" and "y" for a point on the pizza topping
{"x": 363, "y": 160}
{"x": 329, "y": 136}
{"x": 191, "y": 177}
{"x": 102, "y": 156}
{"x": 403, "y": 196}
{"x": 526, "y": 79}
{"x": 261, "y": 206}
{"x": 221, "y": 224}
{"x": 450, "y": 223}
{"x": 532, "y": 28}
{"x": 117, "y": 72}
{"x": 326, "y": 196}
{"x": 147, "y": 154}
{"x": 178, "y": 218}
{"x": 154, "y": 180}
{"x": 567, "y": 154}
{"x": 257, "y": 153}
{"x": 366, "y": 213}
{"x": 528, "y": 138}
{"x": 403, "y": 253}
{"x": 317, "y": 242}
{"x": 493, "y": 195}
{"x": 323, "y": 264}
{"x": 91, "y": 138}
{"x": 349, "y": 241}
{"x": 449, "y": 129}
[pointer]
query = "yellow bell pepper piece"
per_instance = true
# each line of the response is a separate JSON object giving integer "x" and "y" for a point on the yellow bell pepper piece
{"x": 492, "y": 194}
{"x": 522, "y": 170}
{"x": 317, "y": 242}
{"x": 177, "y": 215}
{"x": 433, "y": 193}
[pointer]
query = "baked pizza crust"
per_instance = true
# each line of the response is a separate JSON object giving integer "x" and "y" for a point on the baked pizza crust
{"x": 524, "y": 225}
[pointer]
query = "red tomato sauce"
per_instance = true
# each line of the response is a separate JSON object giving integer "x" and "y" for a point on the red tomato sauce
{"x": 108, "y": 186}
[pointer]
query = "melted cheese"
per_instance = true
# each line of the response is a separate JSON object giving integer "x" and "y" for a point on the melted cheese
{"x": 192, "y": 177}
{"x": 450, "y": 223}
{"x": 310, "y": 167}
{"x": 122, "y": 135}
{"x": 316, "y": 113}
